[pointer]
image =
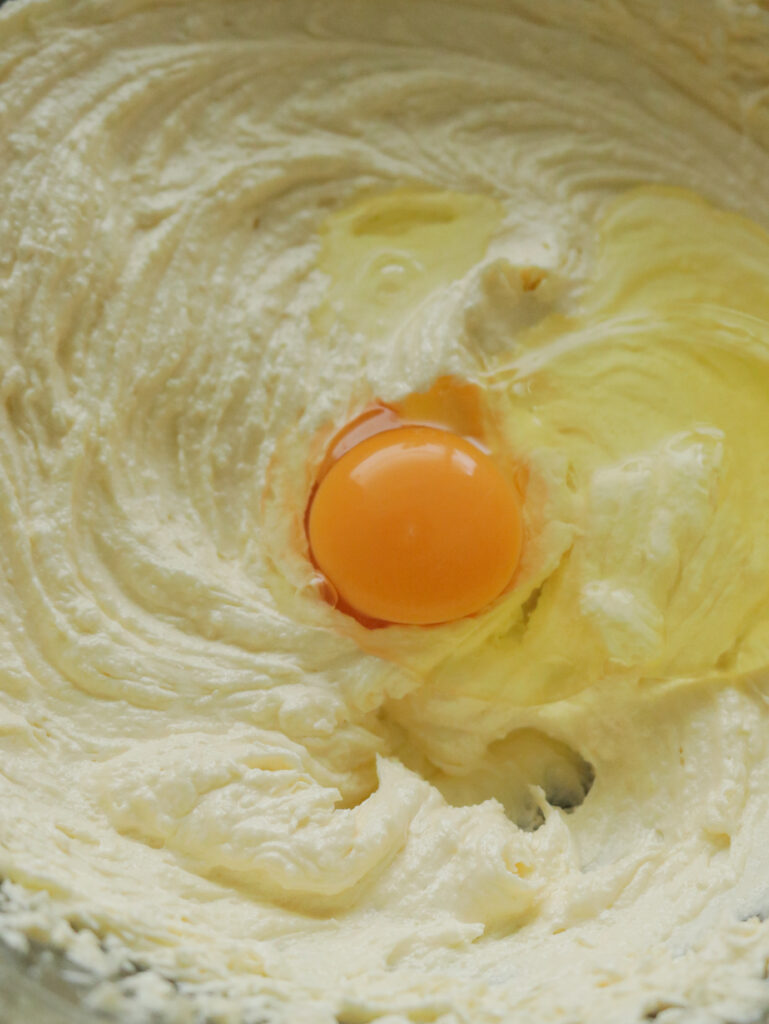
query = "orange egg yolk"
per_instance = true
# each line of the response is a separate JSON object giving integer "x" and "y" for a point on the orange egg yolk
{"x": 415, "y": 525}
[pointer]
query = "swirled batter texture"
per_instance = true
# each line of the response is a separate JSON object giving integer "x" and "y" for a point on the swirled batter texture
{"x": 226, "y": 227}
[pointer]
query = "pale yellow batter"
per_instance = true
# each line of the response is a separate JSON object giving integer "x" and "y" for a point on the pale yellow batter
{"x": 225, "y": 227}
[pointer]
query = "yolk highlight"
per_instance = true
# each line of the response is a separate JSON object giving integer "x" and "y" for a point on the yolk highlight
{"x": 416, "y": 525}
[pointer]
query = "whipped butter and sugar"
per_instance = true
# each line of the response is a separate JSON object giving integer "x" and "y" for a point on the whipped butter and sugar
{"x": 225, "y": 228}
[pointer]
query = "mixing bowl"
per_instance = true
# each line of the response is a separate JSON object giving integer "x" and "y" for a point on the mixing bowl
{"x": 38, "y": 983}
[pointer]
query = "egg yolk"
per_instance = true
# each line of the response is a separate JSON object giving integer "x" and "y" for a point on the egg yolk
{"x": 415, "y": 525}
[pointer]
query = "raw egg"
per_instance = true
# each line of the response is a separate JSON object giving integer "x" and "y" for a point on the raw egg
{"x": 413, "y": 523}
